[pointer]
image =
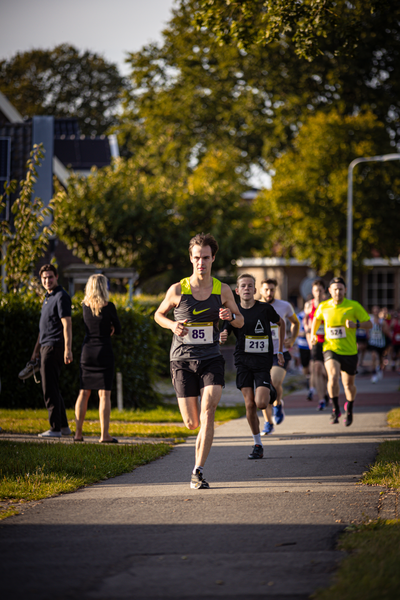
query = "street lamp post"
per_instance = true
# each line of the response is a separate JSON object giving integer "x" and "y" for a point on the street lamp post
{"x": 356, "y": 161}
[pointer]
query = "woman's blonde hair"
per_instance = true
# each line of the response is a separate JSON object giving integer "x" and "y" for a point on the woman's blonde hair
{"x": 96, "y": 293}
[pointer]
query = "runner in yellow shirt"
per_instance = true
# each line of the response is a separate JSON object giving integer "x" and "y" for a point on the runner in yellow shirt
{"x": 341, "y": 317}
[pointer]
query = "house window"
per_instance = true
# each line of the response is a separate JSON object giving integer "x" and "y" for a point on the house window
{"x": 380, "y": 288}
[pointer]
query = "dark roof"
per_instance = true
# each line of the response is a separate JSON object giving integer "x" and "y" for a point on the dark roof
{"x": 66, "y": 127}
{"x": 83, "y": 153}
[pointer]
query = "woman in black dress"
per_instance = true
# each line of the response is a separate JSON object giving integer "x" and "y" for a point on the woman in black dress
{"x": 97, "y": 358}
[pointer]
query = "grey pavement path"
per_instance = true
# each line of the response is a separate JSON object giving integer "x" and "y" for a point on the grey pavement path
{"x": 266, "y": 528}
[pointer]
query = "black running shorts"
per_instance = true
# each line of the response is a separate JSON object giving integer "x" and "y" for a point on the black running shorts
{"x": 348, "y": 363}
{"x": 316, "y": 352}
{"x": 189, "y": 377}
{"x": 287, "y": 357}
{"x": 252, "y": 376}
{"x": 305, "y": 356}
{"x": 380, "y": 351}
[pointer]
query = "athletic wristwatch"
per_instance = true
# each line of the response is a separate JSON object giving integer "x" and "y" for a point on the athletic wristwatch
{"x": 233, "y": 317}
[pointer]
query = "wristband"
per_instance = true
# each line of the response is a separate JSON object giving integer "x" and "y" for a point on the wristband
{"x": 358, "y": 324}
{"x": 279, "y": 352}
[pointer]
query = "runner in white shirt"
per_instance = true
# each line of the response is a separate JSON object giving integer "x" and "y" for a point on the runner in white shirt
{"x": 278, "y": 373}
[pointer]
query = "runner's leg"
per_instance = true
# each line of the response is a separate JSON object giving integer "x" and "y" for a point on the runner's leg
{"x": 210, "y": 397}
{"x": 251, "y": 410}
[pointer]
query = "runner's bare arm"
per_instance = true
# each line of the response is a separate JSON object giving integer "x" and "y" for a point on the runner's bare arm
{"x": 307, "y": 320}
{"x": 230, "y": 308}
{"x": 315, "y": 325}
{"x": 172, "y": 299}
{"x": 294, "y": 330}
{"x": 364, "y": 325}
{"x": 223, "y": 336}
{"x": 282, "y": 332}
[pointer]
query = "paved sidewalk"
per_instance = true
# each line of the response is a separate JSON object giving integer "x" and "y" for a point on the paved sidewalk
{"x": 266, "y": 529}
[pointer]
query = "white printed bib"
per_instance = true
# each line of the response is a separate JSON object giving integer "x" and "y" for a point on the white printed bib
{"x": 335, "y": 333}
{"x": 275, "y": 332}
{"x": 199, "y": 333}
{"x": 377, "y": 336}
{"x": 256, "y": 343}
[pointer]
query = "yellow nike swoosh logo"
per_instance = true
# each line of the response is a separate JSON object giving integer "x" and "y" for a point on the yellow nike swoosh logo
{"x": 197, "y": 312}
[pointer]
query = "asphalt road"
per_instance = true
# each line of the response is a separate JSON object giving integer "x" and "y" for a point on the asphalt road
{"x": 266, "y": 528}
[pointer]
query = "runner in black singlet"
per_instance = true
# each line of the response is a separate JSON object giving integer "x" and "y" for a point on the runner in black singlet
{"x": 254, "y": 353}
{"x": 197, "y": 367}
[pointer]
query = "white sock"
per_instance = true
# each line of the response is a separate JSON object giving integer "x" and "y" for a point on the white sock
{"x": 257, "y": 439}
{"x": 199, "y": 468}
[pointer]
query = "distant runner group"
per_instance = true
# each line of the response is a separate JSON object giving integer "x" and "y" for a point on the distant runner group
{"x": 261, "y": 353}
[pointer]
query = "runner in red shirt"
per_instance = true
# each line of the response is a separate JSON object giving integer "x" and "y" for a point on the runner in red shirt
{"x": 318, "y": 379}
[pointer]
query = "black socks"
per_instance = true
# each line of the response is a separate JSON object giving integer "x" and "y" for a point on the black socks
{"x": 335, "y": 402}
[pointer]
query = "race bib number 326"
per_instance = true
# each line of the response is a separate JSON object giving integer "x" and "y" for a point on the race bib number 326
{"x": 199, "y": 333}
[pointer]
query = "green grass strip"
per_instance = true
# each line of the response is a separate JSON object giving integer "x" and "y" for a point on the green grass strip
{"x": 35, "y": 470}
{"x": 371, "y": 572}
{"x": 386, "y": 470}
{"x": 394, "y": 418}
{"x": 163, "y": 421}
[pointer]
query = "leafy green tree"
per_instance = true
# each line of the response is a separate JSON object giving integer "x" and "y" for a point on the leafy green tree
{"x": 27, "y": 241}
{"x": 192, "y": 93}
{"x": 123, "y": 216}
{"x": 64, "y": 82}
{"x": 304, "y": 214}
{"x": 309, "y": 25}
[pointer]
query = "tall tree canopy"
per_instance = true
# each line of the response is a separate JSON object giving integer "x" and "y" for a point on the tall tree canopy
{"x": 312, "y": 26}
{"x": 304, "y": 214}
{"x": 121, "y": 215}
{"x": 64, "y": 82}
{"x": 194, "y": 93}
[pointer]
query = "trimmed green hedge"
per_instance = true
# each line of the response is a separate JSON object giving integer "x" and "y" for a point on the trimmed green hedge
{"x": 141, "y": 352}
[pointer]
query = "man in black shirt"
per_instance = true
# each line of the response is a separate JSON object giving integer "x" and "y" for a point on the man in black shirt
{"x": 254, "y": 354}
{"x": 54, "y": 345}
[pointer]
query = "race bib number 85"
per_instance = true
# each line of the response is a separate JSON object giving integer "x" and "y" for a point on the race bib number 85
{"x": 335, "y": 333}
{"x": 199, "y": 333}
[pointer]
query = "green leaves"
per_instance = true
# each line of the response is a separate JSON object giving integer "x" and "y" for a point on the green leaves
{"x": 309, "y": 25}
{"x": 64, "y": 82}
{"x": 27, "y": 241}
{"x": 305, "y": 212}
{"x": 124, "y": 216}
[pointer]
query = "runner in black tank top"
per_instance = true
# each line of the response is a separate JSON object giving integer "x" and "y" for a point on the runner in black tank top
{"x": 254, "y": 355}
{"x": 197, "y": 367}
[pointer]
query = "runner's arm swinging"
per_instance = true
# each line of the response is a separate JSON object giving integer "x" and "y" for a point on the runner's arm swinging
{"x": 230, "y": 311}
{"x": 294, "y": 330}
{"x": 364, "y": 325}
{"x": 314, "y": 328}
{"x": 171, "y": 300}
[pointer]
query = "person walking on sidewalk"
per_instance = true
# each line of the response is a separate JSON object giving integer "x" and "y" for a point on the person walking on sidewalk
{"x": 278, "y": 372}
{"x": 54, "y": 346}
{"x": 341, "y": 319}
{"x": 197, "y": 366}
{"x": 97, "y": 357}
{"x": 254, "y": 355}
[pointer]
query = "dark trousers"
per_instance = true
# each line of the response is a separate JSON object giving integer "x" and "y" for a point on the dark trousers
{"x": 52, "y": 359}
